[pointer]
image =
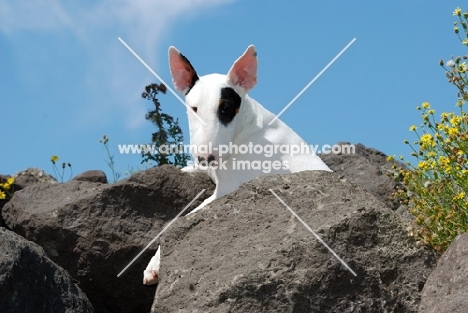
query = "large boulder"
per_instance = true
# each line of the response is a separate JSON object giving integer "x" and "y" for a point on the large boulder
{"x": 246, "y": 252}
{"x": 94, "y": 230}
{"x": 33, "y": 176}
{"x": 23, "y": 179}
{"x": 31, "y": 282}
{"x": 94, "y": 176}
{"x": 446, "y": 289}
{"x": 368, "y": 168}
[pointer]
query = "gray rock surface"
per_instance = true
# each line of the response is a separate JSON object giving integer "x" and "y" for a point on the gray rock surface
{"x": 32, "y": 176}
{"x": 367, "y": 168}
{"x": 446, "y": 290}
{"x": 94, "y": 230}
{"x": 247, "y": 253}
{"x": 31, "y": 283}
{"x": 93, "y": 176}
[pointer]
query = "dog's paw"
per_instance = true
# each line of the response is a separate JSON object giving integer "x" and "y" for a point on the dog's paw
{"x": 150, "y": 277}
{"x": 192, "y": 169}
{"x": 151, "y": 274}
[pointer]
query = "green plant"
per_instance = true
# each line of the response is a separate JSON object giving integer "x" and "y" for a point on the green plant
{"x": 57, "y": 172}
{"x": 437, "y": 186}
{"x": 168, "y": 132}
{"x": 110, "y": 158}
{"x": 6, "y": 189}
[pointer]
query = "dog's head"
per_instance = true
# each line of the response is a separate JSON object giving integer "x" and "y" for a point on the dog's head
{"x": 216, "y": 99}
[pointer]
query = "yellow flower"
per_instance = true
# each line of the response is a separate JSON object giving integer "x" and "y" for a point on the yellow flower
{"x": 2, "y": 195}
{"x": 462, "y": 67}
{"x": 412, "y": 128}
{"x": 390, "y": 158}
{"x": 465, "y": 41}
{"x": 460, "y": 196}
{"x": 443, "y": 160}
{"x": 427, "y": 141}
{"x": 431, "y": 111}
{"x": 54, "y": 159}
{"x": 426, "y": 105}
{"x": 457, "y": 12}
{"x": 452, "y": 131}
{"x": 6, "y": 185}
{"x": 423, "y": 165}
{"x": 426, "y": 138}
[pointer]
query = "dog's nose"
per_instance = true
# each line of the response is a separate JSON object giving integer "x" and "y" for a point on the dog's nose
{"x": 211, "y": 158}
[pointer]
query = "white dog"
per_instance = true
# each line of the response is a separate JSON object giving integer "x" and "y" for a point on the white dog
{"x": 238, "y": 144}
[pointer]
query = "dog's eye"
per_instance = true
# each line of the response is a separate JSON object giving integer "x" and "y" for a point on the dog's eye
{"x": 226, "y": 108}
{"x": 194, "y": 109}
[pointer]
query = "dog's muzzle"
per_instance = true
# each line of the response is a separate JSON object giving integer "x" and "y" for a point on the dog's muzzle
{"x": 211, "y": 158}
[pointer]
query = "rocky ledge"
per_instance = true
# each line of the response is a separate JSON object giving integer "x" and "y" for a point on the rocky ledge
{"x": 243, "y": 253}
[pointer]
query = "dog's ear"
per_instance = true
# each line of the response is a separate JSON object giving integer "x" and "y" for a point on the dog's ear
{"x": 243, "y": 72}
{"x": 183, "y": 74}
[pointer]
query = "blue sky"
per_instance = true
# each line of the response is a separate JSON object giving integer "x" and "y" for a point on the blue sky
{"x": 66, "y": 80}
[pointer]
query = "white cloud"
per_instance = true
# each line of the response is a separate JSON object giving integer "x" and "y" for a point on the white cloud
{"x": 111, "y": 83}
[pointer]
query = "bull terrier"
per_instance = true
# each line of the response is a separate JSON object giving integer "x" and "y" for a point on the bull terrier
{"x": 238, "y": 144}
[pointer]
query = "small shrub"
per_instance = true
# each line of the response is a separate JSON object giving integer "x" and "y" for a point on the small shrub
{"x": 168, "y": 132}
{"x": 437, "y": 186}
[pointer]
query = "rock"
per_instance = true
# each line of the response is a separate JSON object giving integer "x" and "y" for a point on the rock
{"x": 93, "y": 176}
{"x": 246, "y": 252}
{"x": 367, "y": 168}
{"x": 94, "y": 230}
{"x": 32, "y": 176}
{"x": 31, "y": 282}
{"x": 446, "y": 289}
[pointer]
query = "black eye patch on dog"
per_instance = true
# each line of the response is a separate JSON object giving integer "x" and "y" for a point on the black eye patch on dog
{"x": 229, "y": 104}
